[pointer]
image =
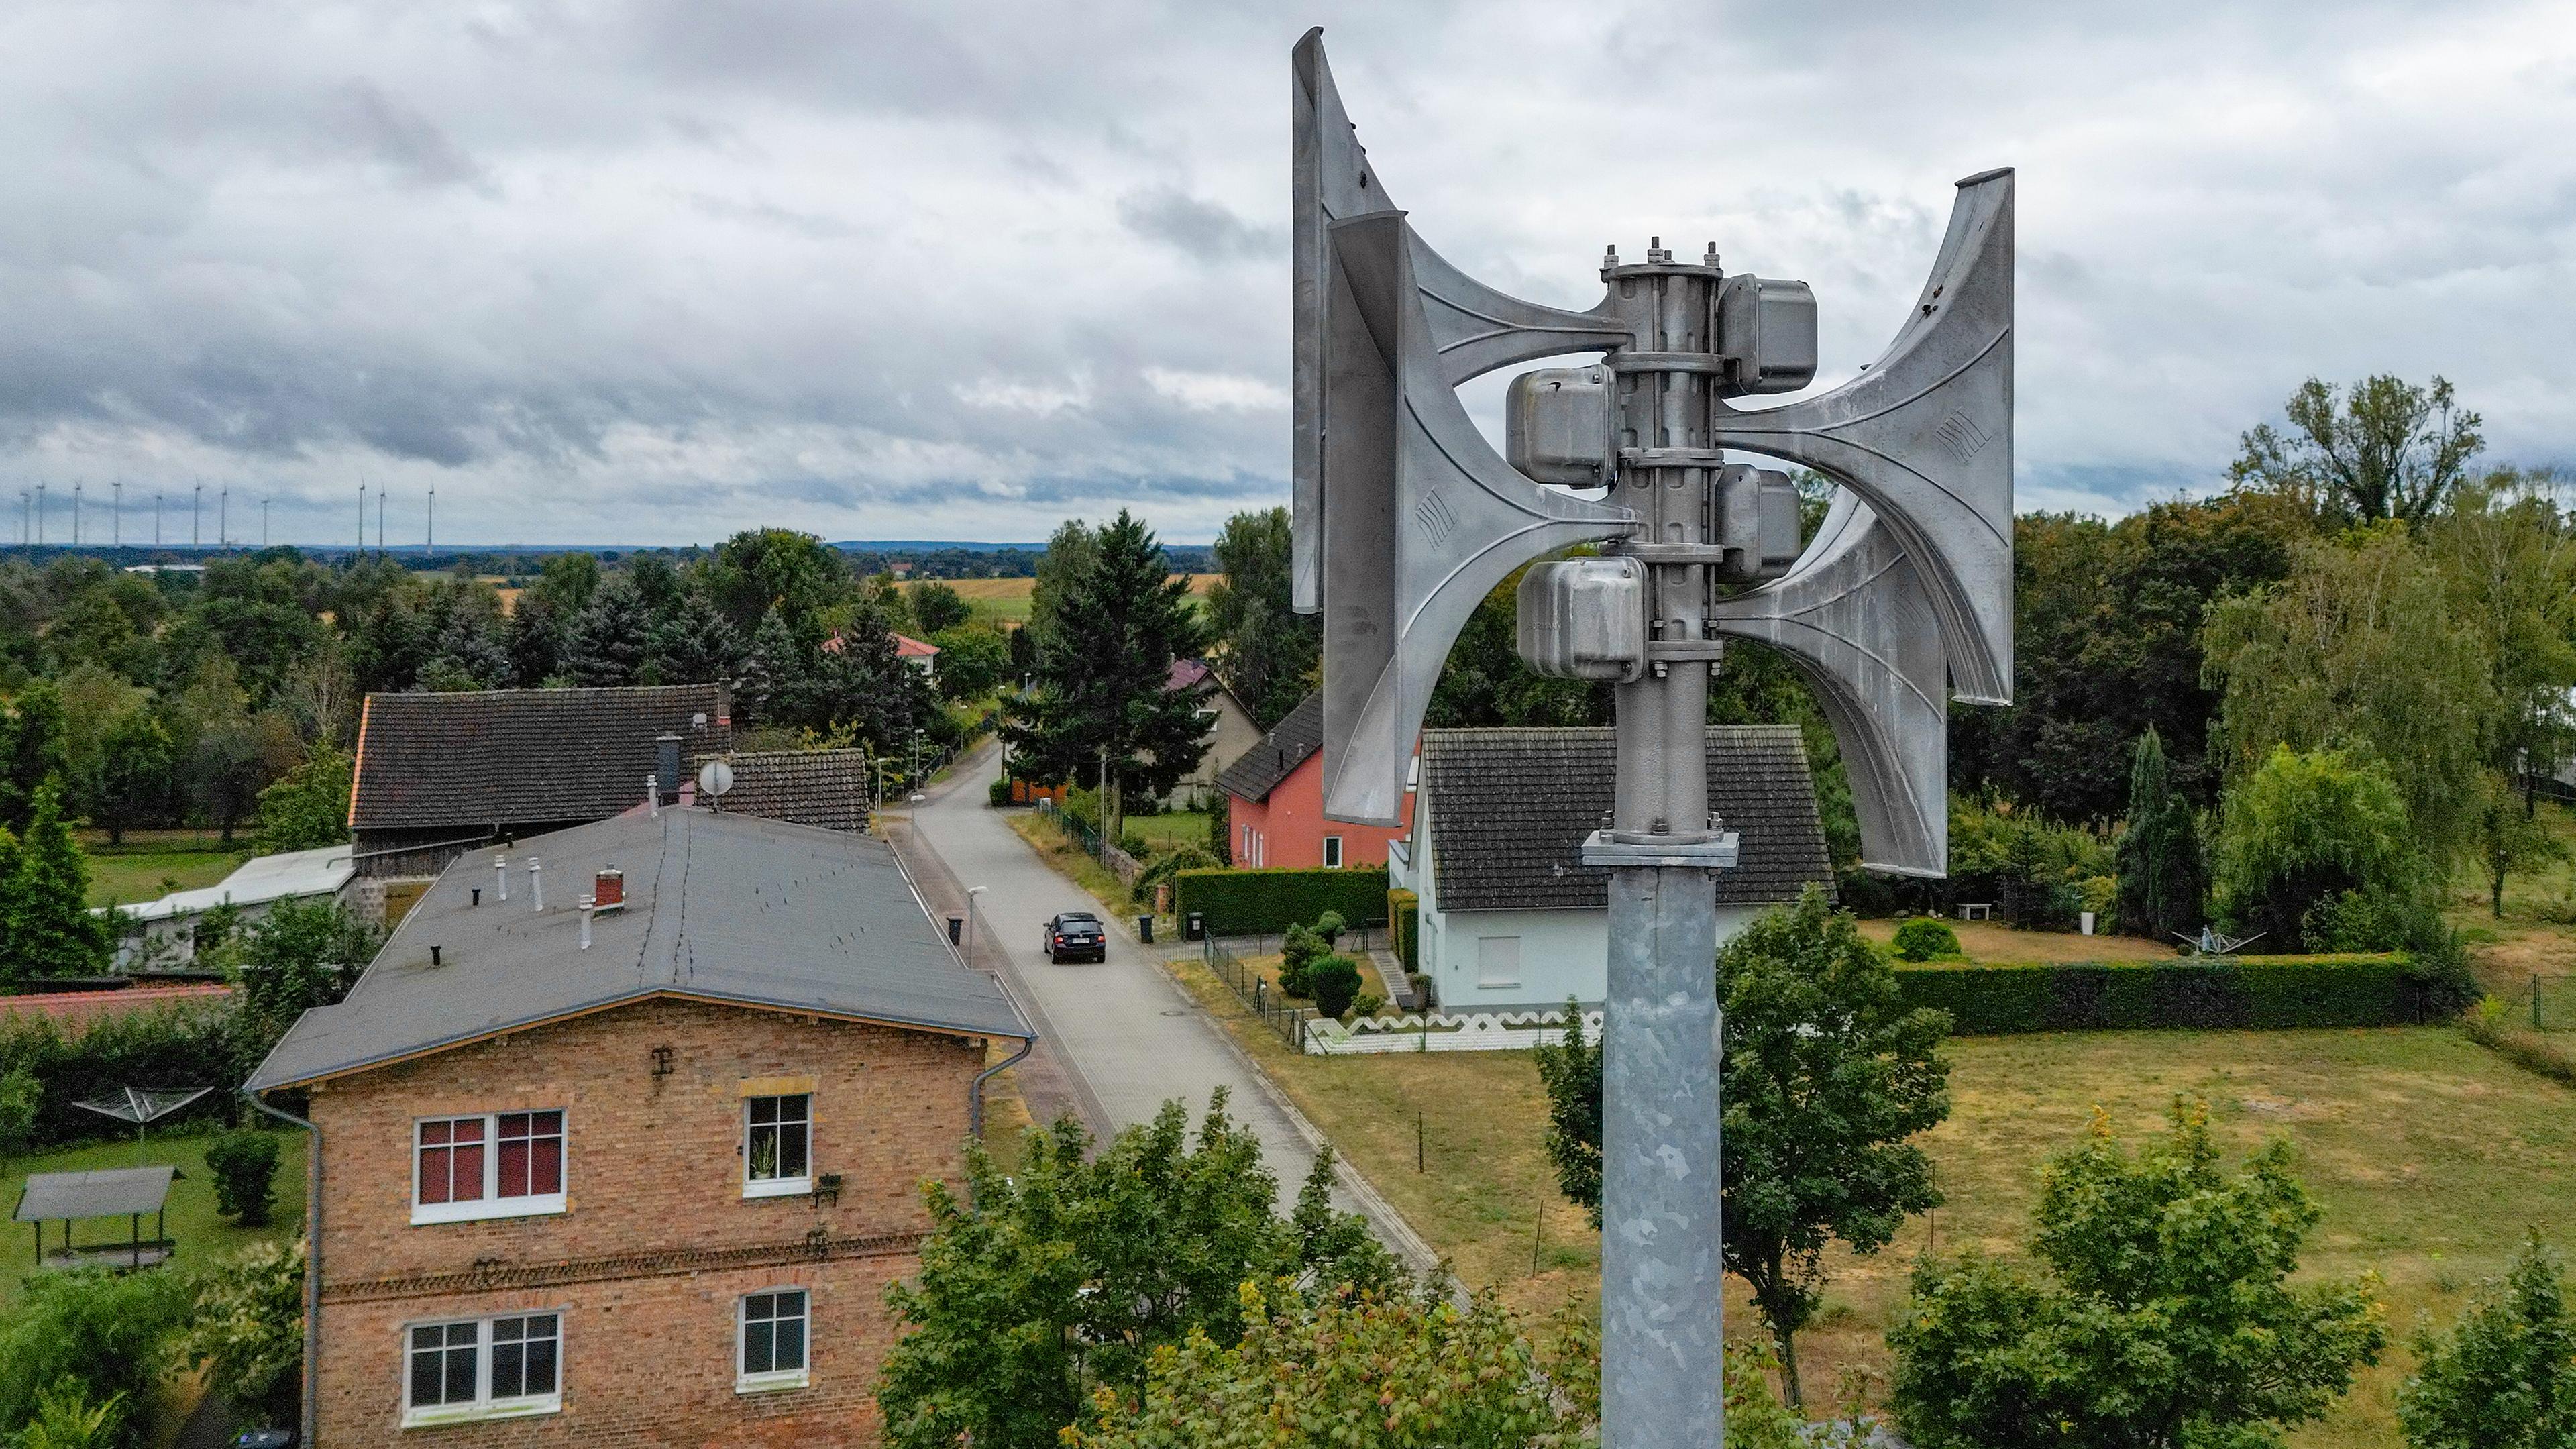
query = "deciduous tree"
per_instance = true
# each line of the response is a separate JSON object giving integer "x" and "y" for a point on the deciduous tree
{"x": 2385, "y": 449}
{"x": 2159, "y": 1314}
{"x": 246, "y": 1326}
{"x": 1827, "y": 1077}
{"x": 1046, "y": 1284}
{"x": 1266, "y": 652}
{"x": 308, "y": 807}
{"x": 2307, "y": 828}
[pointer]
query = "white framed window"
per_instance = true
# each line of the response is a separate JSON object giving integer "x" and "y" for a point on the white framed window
{"x": 1332, "y": 852}
{"x": 487, "y": 1165}
{"x": 770, "y": 1339}
{"x": 500, "y": 1367}
{"x": 777, "y": 1145}
{"x": 1498, "y": 960}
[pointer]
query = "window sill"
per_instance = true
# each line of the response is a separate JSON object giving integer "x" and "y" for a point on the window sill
{"x": 482, "y": 1209}
{"x": 779, "y": 1187}
{"x": 478, "y": 1413}
{"x": 771, "y": 1383}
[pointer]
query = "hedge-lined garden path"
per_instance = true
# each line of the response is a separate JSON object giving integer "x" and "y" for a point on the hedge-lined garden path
{"x": 1136, "y": 1039}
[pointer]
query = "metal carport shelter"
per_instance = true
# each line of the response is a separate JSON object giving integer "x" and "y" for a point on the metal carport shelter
{"x": 127, "y": 1192}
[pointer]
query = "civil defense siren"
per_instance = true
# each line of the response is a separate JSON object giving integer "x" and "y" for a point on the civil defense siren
{"x": 1405, "y": 517}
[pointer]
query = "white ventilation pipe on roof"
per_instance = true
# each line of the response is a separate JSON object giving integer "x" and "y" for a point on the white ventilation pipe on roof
{"x": 587, "y": 905}
{"x": 536, "y": 886}
{"x": 653, "y": 794}
{"x": 501, "y": 876}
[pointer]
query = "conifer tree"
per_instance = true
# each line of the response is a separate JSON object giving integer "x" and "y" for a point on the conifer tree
{"x": 2163, "y": 879}
{"x": 693, "y": 644}
{"x": 609, "y": 636}
{"x": 1100, "y": 702}
{"x": 50, "y": 929}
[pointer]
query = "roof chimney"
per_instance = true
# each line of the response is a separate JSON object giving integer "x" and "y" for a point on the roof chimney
{"x": 668, "y": 771}
{"x": 608, "y": 890}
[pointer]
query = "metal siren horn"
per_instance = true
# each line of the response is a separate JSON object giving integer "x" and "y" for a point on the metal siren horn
{"x": 1851, "y": 615}
{"x": 1925, "y": 437}
{"x": 1424, "y": 518}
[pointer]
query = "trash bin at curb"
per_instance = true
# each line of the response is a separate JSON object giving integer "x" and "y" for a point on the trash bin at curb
{"x": 956, "y": 930}
{"x": 1195, "y": 928}
{"x": 1145, "y": 929}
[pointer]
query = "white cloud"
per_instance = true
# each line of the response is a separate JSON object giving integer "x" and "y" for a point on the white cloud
{"x": 1211, "y": 392}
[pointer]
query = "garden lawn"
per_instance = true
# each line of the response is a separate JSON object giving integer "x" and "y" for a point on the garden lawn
{"x": 2429, "y": 1155}
{"x": 202, "y": 1234}
{"x": 131, "y": 875}
{"x": 1007, "y": 601}
{"x": 1165, "y": 832}
{"x": 1992, "y": 945}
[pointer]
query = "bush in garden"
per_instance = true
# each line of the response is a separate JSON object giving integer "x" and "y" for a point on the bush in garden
{"x": 1299, "y": 950}
{"x": 2504, "y": 1376}
{"x": 1925, "y": 937}
{"x": 1330, "y": 926}
{"x": 66, "y": 1418}
{"x": 102, "y": 1332}
{"x": 1334, "y": 982}
{"x": 244, "y": 1165}
{"x": 247, "y": 1326}
{"x": 1000, "y": 792}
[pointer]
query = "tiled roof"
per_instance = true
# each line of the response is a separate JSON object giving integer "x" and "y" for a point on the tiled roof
{"x": 523, "y": 756}
{"x": 1509, "y": 808}
{"x": 827, "y": 789}
{"x": 723, "y": 908}
{"x": 1280, "y": 752}
{"x": 907, "y": 647}
{"x": 76, "y": 1010}
{"x": 1185, "y": 672}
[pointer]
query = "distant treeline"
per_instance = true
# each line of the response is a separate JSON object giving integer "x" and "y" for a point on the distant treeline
{"x": 523, "y": 562}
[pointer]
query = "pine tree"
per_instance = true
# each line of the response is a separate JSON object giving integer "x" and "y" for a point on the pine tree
{"x": 608, "y": 637}
{"x": 1115, "y": 623}
{"x": 775, "y": 675}
{"x": 50, "y": 928}
{"x": 2164, "y": 882}
{"x": 693, "y": 644}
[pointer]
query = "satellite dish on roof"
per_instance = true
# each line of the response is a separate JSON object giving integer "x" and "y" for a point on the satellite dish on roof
{"x": 715, "y": 777}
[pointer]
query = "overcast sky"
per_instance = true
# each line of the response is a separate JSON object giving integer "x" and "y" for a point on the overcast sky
{"x": 650, "y": 272}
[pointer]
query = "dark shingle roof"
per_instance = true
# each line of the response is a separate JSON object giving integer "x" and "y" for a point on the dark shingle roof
{"x": 523, "y": 756}
{"x": 725, "y": 908}
{"x": 1509, "y": 808}
{"x": 827, "y": 789}
{"x": 1260, "y": 769}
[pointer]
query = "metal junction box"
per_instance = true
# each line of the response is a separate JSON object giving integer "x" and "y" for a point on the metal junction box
{"x": 1767, "y": 331}
{"x": 1584, "y": 618}
{"x": 1556, "y": 425}
{"x": 1757, "y": 523}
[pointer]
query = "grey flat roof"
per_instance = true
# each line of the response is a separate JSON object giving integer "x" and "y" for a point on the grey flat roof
{"x": 112, "y": 1192}
{"x": 721, "y": 907}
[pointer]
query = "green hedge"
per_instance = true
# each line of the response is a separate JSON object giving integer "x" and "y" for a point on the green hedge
{"x": 1257, "y": 902}
{"x": 2249, "y": 991}
{"x": 179, "y": 1045}
{"x": 1404, "y": 923}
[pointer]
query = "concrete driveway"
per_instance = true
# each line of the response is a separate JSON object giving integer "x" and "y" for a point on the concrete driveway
{"x": 1132, "y": 1035}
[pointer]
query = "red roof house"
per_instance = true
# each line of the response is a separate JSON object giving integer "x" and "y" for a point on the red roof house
{"x": 1275, "y": 799}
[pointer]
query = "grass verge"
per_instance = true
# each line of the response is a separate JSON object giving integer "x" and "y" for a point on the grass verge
{"x": 2429, "y": 1155}
{"x": 1991, "y": 945}
{"x": 1071, "y": 861}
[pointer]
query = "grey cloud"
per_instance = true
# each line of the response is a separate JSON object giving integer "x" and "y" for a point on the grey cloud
{"x": 400, "y": 137}
{"x": 1199, "y": 227}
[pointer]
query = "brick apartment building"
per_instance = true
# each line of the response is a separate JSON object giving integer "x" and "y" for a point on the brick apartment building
{"x": 636, "y": 1175}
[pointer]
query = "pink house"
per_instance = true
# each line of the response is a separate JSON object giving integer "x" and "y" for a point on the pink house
{"x": 1275, "y": 801}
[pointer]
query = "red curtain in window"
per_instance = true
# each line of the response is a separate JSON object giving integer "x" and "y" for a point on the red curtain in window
{"x": 451, "y": 1160}
{"x": 531, "y": 1146}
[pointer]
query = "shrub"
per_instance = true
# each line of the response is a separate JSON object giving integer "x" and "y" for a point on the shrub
{"x": 2505, "y": 1375}
{"x": 1134, "y": 843}
{"x": 1404, "y": 923}
{"x": 1925, "y": 937}
{"x": 22, "y": 1097}
{"x": 248, "y": 1324}
{"x": 1000, "y": 793}
{"x": 1255, "y": 902}
{"x": 66, "y": 1419}
{"x": 1330, "y": 926}
{"x": 244, "y": 1165}
{"x": 1298, "y": 953}
{"x": 100, "y": 1331}
{"x": 1334, "y": 982}
{"x": 2264, "y": 992}
{"x": 188, "y": 1044}
{"x": 1368, "y": 1003}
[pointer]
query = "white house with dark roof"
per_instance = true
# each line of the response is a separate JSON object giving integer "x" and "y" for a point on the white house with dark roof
{"x": 1509, "y": 920}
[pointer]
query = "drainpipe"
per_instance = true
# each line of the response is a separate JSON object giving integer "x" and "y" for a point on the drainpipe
{"x": 975, "y": 1093}
{"x": 313, "y": 1259}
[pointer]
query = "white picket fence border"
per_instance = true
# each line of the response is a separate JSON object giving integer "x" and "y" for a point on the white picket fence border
{"x": 1479, "y": 1032}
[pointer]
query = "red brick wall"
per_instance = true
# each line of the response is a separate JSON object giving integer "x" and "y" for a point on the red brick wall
{"x": 1292, "y": 827}
{"x": 653, "y": 1186}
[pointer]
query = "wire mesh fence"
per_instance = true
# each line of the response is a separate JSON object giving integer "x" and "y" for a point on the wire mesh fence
{"x": 1256, "y": 991}
{"x": 2549, "y": 1003}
